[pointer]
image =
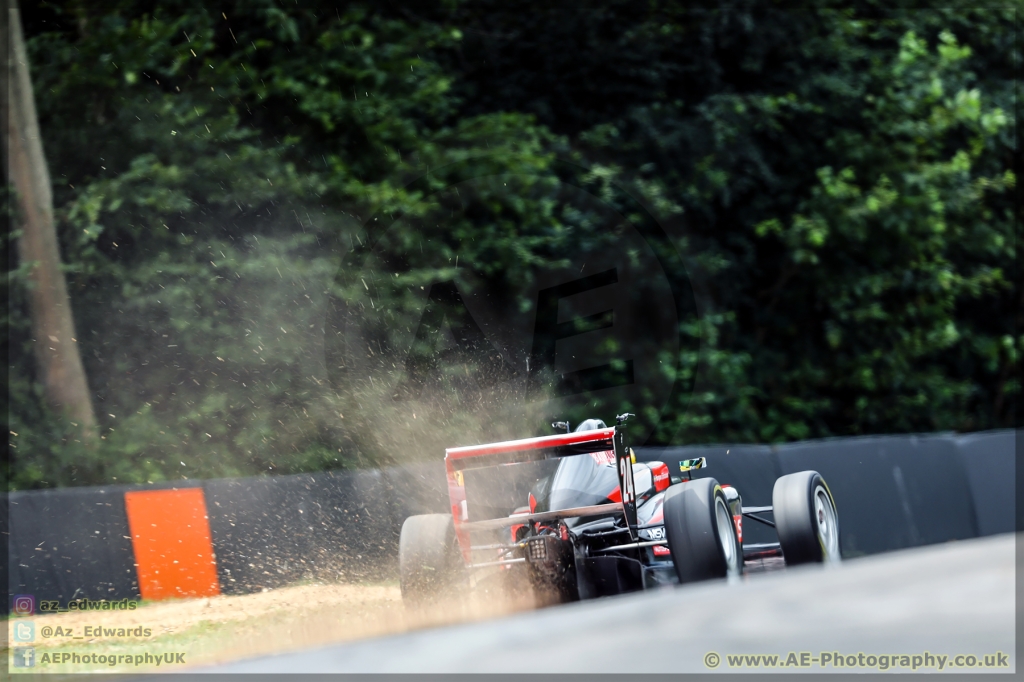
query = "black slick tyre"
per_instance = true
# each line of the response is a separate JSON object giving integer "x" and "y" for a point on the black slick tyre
{"x": 806, "y": 519}
{"x": 700, "y": 531}
{"x": 430, "y": 562}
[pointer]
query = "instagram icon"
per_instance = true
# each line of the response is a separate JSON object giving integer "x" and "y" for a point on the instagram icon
{"x": 24, "y": 604}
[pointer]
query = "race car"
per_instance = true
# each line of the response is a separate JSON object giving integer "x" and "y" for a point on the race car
{"x": 598, "y": 522}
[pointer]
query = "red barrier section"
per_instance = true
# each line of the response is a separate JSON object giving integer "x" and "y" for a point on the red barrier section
{"x": 171, "y": 537}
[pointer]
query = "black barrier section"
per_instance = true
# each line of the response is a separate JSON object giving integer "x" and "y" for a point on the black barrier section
{"x": 989, "y": 461}
{"x": 891, "y": 492}
{"x": 71, "y": 543}
{"x": 269, "y": 532}
{"x": 751, "y": 469}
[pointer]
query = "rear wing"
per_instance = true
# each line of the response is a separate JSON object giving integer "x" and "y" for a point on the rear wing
{"x": 458, "y": 460}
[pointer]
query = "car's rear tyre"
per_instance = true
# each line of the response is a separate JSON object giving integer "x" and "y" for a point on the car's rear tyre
{"x": 430, "y": 562}
{"x": 700, "y": 531}
{"x": 806, "y": 519}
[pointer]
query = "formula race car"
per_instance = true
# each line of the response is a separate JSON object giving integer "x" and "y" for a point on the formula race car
{"x": 598, "y": 522}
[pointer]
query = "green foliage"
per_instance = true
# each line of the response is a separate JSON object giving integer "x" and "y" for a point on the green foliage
{"x": 840, "y": 183}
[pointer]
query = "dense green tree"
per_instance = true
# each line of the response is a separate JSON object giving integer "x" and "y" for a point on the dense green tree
{"x": 208, "y": 172}
{"x": 843, "y": 180}
{"x": 839, "y": 182}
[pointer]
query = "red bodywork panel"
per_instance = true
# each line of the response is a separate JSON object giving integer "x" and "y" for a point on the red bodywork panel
{"x": 661, "y": 477}
{"x": 529, "y": 444}
{"x": 512, "y": 452}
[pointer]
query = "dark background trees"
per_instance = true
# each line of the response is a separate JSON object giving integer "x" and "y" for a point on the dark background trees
{"x": 840, "y": 181}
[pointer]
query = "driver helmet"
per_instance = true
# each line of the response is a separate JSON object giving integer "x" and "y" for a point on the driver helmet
{"x": 591, "y": 425}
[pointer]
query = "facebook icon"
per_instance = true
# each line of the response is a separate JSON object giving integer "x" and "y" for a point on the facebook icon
{"x": 24, "y": 656}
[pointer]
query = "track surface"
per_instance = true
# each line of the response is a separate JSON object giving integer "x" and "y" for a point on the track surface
{"x": 956, "y": 598}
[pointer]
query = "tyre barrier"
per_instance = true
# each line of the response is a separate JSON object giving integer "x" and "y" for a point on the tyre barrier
{"x": 235, "y": 536}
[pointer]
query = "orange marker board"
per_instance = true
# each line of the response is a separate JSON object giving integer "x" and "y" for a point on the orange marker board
{"x": 171, "y": 538}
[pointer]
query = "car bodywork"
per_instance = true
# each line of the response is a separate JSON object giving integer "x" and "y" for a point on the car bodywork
{"x": 594, "y": 526}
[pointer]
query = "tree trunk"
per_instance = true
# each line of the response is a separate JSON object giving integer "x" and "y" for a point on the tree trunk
{"x": 55, "y": 342}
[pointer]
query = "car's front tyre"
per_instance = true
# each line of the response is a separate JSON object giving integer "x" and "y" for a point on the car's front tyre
{"x": 806, "y": 519}
{"x": 700, "y": 531}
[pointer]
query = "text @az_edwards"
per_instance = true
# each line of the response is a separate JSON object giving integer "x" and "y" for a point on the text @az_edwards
{"x": 94, "y": 632}
{"x": 841, "y": 661}
{"x": 54, "y": 605}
